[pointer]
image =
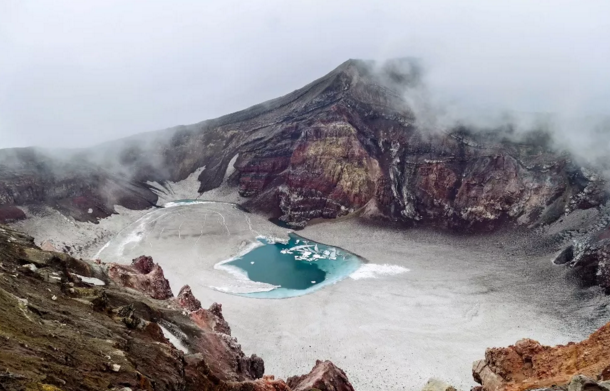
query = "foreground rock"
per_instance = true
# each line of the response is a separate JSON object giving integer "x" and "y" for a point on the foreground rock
{"x": 438, "y": 385}
{"x": 187, "y": 300}
{"x": 66, "y": 325}
{"x": 530, "y": 365}
{"x": 144, "y": 276}
{"x": 324, "y": 376}
{"x": 581, "y": 383}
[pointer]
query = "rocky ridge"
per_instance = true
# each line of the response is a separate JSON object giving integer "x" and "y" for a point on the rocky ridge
{"x": 346, "y": 142}
{"x": 68, "y": 324}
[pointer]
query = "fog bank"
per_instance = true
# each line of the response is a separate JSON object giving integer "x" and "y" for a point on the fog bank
{"x": 79, "y": 73}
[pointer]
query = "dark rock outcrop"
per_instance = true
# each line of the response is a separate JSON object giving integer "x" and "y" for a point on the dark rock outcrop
{"x": 10, "y": 214}
{"x": 587, "y": 254}
{"x": 346, "y": 141}
{"x": 73, "y": 182}
{"x": 583, "y": 383}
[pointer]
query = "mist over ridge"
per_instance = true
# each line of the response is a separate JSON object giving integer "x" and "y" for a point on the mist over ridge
{"x": 81, "y": 74}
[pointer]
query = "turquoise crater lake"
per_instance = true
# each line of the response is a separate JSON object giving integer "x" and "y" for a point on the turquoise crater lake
{"x": 295, "y": 267}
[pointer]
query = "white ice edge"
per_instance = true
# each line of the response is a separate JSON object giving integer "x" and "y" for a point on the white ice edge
{"x": 364, "y": 271}
{"x": 284, "y": 293}
{"x": 245, "y": 284}
{"x": 272, "y": 240}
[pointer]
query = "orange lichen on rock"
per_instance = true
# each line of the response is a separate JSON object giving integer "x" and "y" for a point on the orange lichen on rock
{"x": 324, "y": 376}
{"x": 528, "y": 364}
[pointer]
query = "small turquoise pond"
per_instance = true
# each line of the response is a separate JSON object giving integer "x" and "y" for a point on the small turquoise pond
{"x": 297, "y": 267}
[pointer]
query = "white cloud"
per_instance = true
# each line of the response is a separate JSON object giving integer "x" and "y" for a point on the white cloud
{"x": 77, "y": 73}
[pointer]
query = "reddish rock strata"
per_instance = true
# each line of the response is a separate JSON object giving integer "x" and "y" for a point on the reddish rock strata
{"x": 346, "y": 143}
{"x": 347, "y": 140}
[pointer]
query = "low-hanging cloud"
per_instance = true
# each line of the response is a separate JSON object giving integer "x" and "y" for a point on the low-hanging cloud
{"x": 584, "y": 134}
{"x": 79, "y": 73}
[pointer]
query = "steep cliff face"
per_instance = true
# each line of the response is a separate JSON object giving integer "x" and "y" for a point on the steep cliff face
{"x": 68, "y": 181}
{"x": 343, "y": 142}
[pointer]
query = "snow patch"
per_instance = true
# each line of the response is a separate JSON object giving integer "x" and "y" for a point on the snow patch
{"x": 92, "y": 280}
{"x": 172, "y": 204}
{"x": 230, "y": 168}
{"x": 374, "y": 270}
{"x": 173, "y": 340}
{"x": 184, "y": 189}
{"x": 97, "y": 254}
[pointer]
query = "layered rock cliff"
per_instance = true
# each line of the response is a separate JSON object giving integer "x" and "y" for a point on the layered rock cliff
{"x": 345, "y": 141}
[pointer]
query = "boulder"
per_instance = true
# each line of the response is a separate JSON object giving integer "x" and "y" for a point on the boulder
{"x": 438, "y": 385}
{"x": 583, "y": 383}
{"x": 10, "y": 214}
{"x": 324, "y": 376}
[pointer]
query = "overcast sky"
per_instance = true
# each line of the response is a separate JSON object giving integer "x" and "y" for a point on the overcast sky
{"x": 75, "y": 73}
